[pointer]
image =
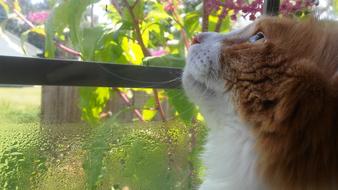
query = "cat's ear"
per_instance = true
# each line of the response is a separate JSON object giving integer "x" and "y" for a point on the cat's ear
{"x": 304, "y": 96}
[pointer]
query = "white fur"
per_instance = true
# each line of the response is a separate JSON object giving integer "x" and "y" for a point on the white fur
{"x": 229, "y": 157}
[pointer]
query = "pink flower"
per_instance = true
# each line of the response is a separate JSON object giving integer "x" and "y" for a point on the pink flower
{"x": 38, "y": 17}
{"x": 169, "y": 7}
{"x": 157, "y": 53}
{"x": 252, "y": 17}
{"x": 254, "y": 7}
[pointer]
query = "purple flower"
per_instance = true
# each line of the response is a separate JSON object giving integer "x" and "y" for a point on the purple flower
{"x": 254, "y": 7}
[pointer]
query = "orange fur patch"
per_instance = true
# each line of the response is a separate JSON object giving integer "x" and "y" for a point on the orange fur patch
{"x": 286, "y": 88}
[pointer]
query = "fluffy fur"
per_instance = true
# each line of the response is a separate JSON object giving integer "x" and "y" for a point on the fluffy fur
{"x": 271, "y": 105}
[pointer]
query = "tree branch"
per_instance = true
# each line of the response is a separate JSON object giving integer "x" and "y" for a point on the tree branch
{"x": 129, "y": 104}
{"x": 146, "y": 53}
{"x": 124, "y": 97}
{"x": 59, "y": 45}
{"x": 137, "y": 30}
{"x": 205, "y": 17}
{"x": 183, "y": 33}
{"x": 158, "y": 105}
{"x": 218, "y": 24}
{"x": 117, "y": 7}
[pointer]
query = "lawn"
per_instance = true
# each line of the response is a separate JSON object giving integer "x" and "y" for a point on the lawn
{"x": 19, "y": 105}
{"x": 110, "y": 155}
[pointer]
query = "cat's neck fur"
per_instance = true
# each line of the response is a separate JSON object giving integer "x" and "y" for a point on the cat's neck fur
{"x": 229, "y": 156}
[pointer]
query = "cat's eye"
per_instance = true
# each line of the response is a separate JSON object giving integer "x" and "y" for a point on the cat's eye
{"x": 258, "y": 36}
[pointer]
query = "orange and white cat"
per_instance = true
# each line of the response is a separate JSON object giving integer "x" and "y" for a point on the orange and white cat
{"x": 269, "y": 94}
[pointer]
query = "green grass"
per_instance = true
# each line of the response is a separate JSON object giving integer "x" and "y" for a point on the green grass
{"x": 19, "y": 105}
{"x": 146, "y": 156}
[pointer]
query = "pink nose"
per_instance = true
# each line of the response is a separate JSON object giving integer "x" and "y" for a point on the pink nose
{"x": 196, "y": 40}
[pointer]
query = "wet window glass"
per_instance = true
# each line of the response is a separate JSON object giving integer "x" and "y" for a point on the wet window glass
{"x": 97, "y": 136}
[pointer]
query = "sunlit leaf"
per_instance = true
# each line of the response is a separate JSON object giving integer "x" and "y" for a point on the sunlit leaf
{"x": 92, "y": 102}
{"x": 165, "y": 61}
{"x": 16, "y": 5}
{"x": 186, "y": 110}
{"x": 109, "y": 48}
{"x": 158, "y": 13}
{"x": 225, "y": 26}
{"x": 149, "y": 111}
{"x": 132, "y": 51}
{"x": 191, "y": 23}
{"x": 4, "y": 5}
{"x": 145, "y": 37}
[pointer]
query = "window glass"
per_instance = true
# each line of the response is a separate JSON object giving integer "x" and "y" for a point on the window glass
{"x": 71, "y": 137}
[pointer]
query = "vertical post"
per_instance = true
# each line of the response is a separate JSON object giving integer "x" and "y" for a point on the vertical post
{"x": 271, "y": 7}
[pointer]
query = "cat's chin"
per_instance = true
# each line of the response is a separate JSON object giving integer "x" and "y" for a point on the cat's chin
{"x": 196, "y": 88}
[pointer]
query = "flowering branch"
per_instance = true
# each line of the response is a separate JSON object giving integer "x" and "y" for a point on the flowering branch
{"x": 59, "y": 45}
{"x": 123, "y": 96}
{"x": 170, "y": 8}
{"x": 249, "y": 9}
{"x": 145, "y": 51}
{"x": 137, "y": 29}
{"x": 23, "y": 18}
{"x": 205, "y": 16}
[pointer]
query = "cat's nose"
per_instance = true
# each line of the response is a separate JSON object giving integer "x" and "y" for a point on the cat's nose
{"x": 205, "y": 37}
{"x": 196, "y": 39}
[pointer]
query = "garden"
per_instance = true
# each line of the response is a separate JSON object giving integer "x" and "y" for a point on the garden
{"x": 70, "y": 137}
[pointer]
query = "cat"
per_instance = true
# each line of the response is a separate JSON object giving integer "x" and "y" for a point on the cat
{"x": 269, "y": 95}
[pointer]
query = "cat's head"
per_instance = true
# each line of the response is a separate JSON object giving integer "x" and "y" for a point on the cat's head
{"x": 273, "y": 68}
{"x": 281, "y": 77}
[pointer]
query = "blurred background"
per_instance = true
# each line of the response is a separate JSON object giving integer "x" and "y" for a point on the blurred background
{"x": 58, "y": 137}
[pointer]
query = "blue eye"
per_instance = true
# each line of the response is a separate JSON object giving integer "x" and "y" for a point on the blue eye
{"x": 256, "y": 37}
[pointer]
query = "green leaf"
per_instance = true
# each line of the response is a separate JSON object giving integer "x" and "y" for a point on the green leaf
{"x": 66, "y": 14}
{"x": 109, "y": 47}
{"x": 5, "y": 6}
{"x": 148, "y": 112}
{"x": 186, "y": 110}
{"x": 92, "y": 102}
{"x": 89, "y": 42}
{"x": 138, "y": 9}
{"x": 158, "y": 13}
{"x": 132, "y": 51}
{"x": 165, "y": 61}
{"x": 23, "y": 40}
{"x": 127, "y": 18}
{"x": 145, "y": 37}
{"x": 96, "y": 150}
{"x": 226, "y": 23}
{"x": 191, "y": 23}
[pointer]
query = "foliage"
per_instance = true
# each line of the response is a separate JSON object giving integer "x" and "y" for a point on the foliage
{"x": 157, "y": 156}
{"x": 97, "y": 149}
{"x": 92, "y": 102}
{"x": 135, "y": 30}
{"x": 136, "y": 27}
{"x": 3, "y": 11}
{"x": 146, "y": 157}
{"x": 68, "y": 14}
{"x": 21, "y": 164}
{"x": 253, "y": 8}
